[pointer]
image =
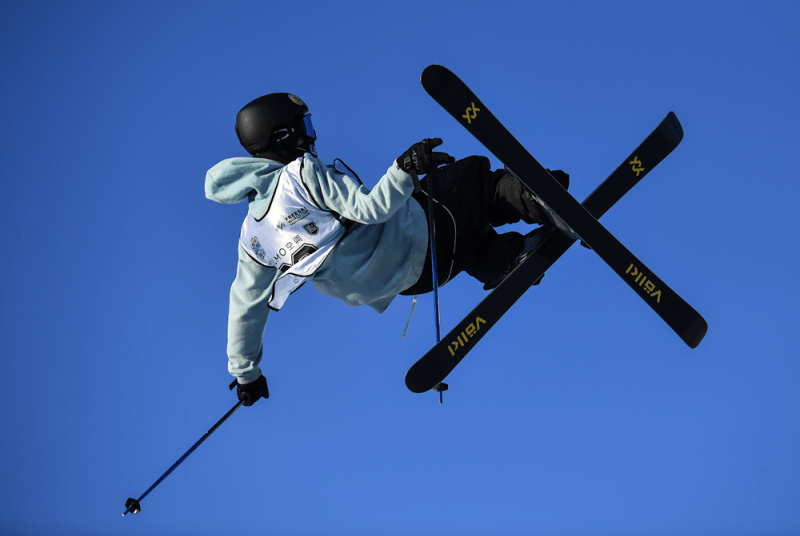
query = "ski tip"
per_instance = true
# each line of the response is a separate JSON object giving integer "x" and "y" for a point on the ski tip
{"x": 428, "y": 73}
{"x": 432, "y": 68}
{"x": 423, "y": 375}
{"x": 694, "y": 336}
{"x": 414, "y": 385}
{"x": 675, "y": 128}
{"x": 435, "y": 73}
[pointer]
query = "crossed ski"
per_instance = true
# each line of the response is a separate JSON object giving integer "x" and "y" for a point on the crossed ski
{"x": 455, "y": 97}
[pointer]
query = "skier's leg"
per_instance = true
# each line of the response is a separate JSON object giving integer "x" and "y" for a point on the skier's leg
{"x": 494, "y": 254}
{"x": 472, "y": 200}
{"x": 498, "y": 254}
{"x": 461, "y": 192}
{"x": 445, "y": 248}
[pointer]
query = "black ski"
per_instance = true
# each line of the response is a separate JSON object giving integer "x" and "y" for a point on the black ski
{"x": 438, "y": 362}
{"x": 455, "y": 97}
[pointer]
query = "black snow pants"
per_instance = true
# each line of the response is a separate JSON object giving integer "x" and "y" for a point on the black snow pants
{"x": 470, "y": 201}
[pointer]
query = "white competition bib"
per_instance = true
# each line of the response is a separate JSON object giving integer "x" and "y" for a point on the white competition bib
{"x": 295, "y": 235}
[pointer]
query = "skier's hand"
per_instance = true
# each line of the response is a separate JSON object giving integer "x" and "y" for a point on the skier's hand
{"x": 251, "y": 392}
{"x": 420, "y": 159}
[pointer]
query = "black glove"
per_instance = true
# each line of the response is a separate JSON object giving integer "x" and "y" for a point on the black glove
{"x": 251, "y": 392}
{"x": 420, "y": 159}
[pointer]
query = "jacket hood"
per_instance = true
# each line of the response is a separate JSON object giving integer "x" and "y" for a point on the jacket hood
{"x": 236, "y": 179}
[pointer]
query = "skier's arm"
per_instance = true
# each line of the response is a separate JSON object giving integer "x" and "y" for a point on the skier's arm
{"x": 335, "y": 191}
{"x": 247, "y": 317}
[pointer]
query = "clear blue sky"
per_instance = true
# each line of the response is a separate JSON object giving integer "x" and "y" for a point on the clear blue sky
{"x": 580, "y": 413}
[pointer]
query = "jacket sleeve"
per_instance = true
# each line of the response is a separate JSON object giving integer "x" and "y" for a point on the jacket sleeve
{"x": 247, "y": 317}
{"x": 336, "y": 191}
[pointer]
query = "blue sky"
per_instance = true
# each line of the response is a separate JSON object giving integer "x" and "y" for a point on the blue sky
{"x": 580, "y": 413}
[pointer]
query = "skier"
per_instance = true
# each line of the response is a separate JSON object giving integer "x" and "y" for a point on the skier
{"x": 309, "y": 221}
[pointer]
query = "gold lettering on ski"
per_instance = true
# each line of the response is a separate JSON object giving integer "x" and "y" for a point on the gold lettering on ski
{"x": 636, "y": 162}
{"x": 645, "y": 283}
{"x": 472, "y": 113}
{"x": 465, "y": 335}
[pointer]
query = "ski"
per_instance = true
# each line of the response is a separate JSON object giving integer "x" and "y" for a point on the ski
{"x": 455, "y": 97}
{"x": 440, "y": 360}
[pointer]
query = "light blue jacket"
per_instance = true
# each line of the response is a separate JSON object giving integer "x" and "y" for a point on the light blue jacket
{"x": 381, "y": 255}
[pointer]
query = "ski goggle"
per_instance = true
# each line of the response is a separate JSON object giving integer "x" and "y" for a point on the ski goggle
{"x": 310, "y": 133}
{"x": 309, "y": 128}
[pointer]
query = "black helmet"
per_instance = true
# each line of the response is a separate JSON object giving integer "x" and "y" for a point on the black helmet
{"x": 278, "y": 121}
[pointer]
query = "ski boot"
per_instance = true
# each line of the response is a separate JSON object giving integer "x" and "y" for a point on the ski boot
{"x": 532, "y": 241}
{"x": 545, "y": 213}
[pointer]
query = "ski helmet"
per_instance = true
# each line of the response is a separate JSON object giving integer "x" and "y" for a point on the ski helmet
{"x": 275, "y": 121}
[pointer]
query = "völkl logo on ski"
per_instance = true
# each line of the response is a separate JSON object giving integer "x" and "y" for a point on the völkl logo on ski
{"x": 465, "y": 335}
{"x": 636, "y": 162}
{"x": 471, "y": 113}
{"x": 645, "y": 283}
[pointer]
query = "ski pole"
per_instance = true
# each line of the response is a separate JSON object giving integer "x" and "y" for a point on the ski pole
{"x": 434, "y": 269}
{"x": 132, "y": 505}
